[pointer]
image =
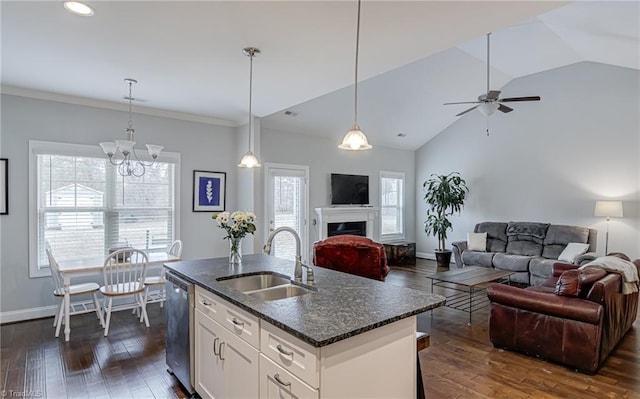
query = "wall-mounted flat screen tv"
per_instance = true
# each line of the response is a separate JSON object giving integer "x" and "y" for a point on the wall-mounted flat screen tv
{"x": 349, "y": 189}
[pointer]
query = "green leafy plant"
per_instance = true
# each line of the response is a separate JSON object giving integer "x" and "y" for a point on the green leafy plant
{"x": 445, "y": 195}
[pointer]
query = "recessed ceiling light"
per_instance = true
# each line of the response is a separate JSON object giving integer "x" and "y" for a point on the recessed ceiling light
{"x": 78, "y": 8}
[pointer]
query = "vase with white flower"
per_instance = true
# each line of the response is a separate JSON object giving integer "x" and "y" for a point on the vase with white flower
{"x": 237, "y": 225}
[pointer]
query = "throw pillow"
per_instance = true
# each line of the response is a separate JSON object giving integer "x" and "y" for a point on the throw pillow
{"x": 572, "y": 250}
{"x": 477, "y": 241}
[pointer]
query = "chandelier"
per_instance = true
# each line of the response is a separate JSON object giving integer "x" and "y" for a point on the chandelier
{"x": 129, "y": 165}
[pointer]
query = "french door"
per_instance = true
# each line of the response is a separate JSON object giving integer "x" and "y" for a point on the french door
{"x": 287, "y": 205}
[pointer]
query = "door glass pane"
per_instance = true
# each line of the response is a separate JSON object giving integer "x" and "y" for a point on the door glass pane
{"x": 286, "y": 210}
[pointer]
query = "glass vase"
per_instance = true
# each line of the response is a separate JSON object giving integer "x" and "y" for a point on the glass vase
{"x": 235, "y": 250}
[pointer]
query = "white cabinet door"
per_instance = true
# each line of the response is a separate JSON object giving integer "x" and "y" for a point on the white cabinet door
{"x": 240, "y": 365}
{"x": 278, "y": 383}
{"x": 208, "y": 364}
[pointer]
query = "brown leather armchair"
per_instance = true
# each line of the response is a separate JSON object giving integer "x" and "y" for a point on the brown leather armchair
{"x": 576, "y": 317}
{"x": 352, "y": 254}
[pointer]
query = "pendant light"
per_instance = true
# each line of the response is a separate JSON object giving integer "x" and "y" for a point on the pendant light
{"x": 355, "y": 138}
{"x": 249, "y": 160}
{"x": 130, "y": 165}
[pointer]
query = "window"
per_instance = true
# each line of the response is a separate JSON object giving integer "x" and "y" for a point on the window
{"x": 391, "y": 205}
{"x": 80, "y": 206}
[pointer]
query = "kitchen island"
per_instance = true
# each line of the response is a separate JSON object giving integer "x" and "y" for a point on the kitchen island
{"x": 347, "y": 336}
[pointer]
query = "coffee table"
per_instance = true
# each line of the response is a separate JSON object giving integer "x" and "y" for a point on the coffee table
{"x": 470, "y": 283}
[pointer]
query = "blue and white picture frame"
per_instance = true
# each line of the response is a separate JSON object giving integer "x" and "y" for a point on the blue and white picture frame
{"x": 209, "y": 191}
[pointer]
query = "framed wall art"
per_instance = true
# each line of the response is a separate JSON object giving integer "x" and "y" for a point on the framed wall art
{"x": 4, "y": 186}
{"x": 209, "y": 191}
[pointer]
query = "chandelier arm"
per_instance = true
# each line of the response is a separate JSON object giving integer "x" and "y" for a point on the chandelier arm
{"x": 143, "y": 163}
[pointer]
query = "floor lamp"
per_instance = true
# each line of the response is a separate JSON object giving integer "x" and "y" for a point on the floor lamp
{"x": 608, "y": 209}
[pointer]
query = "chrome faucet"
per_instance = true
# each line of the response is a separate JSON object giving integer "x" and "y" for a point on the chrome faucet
{"x": 297, "y": 272}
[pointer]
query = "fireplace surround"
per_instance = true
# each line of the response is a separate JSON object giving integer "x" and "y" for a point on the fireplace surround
{"x": 347, "y": 220}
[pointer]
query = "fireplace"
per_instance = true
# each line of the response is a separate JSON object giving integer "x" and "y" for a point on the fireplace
{"x": 353, "y": 228}
{"x": 356, "y": 220}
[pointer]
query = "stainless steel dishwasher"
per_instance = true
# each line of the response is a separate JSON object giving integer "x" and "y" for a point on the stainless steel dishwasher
{"x": 180, "y": 330}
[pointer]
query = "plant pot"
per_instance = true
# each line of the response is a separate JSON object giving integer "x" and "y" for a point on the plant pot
{"x": 443, "y": 258}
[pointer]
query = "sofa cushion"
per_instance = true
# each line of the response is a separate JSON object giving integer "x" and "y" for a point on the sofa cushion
{"x": 541, "y": 267}
{"x": 496, "y": 235}
{"x": 558, "y": 236}
{"x": 477, "y": 258}
{"x": 524, "y": 247}
{"x": 514, "y": 263}
{"x": 527, "y": 231}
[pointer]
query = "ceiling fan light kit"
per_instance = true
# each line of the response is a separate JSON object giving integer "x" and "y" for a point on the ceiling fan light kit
{"x": 355, "y": 139}
{"x": 489, "y": 103}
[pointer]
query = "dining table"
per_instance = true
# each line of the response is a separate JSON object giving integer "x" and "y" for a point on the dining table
{"x": 92, "y": 266}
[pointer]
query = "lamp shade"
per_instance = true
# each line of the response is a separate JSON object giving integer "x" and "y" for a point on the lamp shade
{"x": 609, "y": 209}
{"x": 355, "y": 140}
{"x": 249, "y": 160}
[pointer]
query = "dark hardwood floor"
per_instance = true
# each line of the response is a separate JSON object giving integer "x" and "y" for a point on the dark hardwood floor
{"x": 460, "y": 363}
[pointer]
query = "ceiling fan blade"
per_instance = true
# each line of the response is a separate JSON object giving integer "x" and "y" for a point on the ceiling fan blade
{"x": 468, "y": 110}
{"x": 493, "y": 94}
{"x": 504, "y": 108}
{"x": 532, "y": 98}
{"x": 463, "y": 102}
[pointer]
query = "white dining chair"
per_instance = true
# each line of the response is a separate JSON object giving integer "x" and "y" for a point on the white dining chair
{"x": 124, "y": 273}
{"x": 154, "y": 281}
{"x": 77, "y": 307}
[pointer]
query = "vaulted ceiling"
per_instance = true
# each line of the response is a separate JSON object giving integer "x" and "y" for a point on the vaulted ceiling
{"x": 414, "y": 55}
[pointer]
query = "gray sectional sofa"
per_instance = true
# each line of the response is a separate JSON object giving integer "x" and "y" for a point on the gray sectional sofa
{"x": 527, "y": 248}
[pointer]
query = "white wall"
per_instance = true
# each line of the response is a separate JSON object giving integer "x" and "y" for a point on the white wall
{"x": 202, "y": 147}
{"x": 323, "y": 157}
{"x": 547, "y": 161}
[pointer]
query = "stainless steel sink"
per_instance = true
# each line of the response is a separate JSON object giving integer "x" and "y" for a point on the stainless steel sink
{"x": 255, "y": 282}
{"x": 280, "y": 292}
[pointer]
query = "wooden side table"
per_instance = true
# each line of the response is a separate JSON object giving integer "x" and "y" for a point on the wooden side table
{"x": 400, "y": 253}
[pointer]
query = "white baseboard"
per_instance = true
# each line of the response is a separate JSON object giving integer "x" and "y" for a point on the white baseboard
{"x": 424, "y": 255}
{"x": 27, "y": 314}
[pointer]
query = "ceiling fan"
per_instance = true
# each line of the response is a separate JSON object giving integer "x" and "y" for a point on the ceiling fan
{"x": 489, "y": 102}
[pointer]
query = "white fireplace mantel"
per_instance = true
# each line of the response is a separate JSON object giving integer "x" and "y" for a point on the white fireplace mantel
{"x": 367, "y": 214}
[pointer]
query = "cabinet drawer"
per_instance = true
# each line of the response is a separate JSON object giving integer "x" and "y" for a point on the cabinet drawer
{"x": 240, "y": 322}
{"x": 208, "y": 303}
{"x": 277, "y": 383}
{"x": 290, "y": 353}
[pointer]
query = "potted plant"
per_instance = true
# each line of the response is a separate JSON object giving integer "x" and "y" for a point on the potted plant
{"x": 445, "y": 195}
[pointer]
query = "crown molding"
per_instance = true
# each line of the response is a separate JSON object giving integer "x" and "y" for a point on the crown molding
{"x": 62, "y": 98}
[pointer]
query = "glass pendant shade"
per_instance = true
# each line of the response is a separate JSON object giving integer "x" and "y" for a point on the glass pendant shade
{"x": 109, "y": 147}
{"x": 487, "y": 109}
{"x": 355, "y": 140}
{"x": 249, "y": 160}
{"x": 125, "y": 146}
{"x": 154, "y": 150}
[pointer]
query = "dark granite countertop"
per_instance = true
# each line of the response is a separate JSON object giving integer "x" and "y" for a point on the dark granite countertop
{"x": 344, "y": 305}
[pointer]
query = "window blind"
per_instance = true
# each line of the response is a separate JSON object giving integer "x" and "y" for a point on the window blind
{"x": 84, "y": 206}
